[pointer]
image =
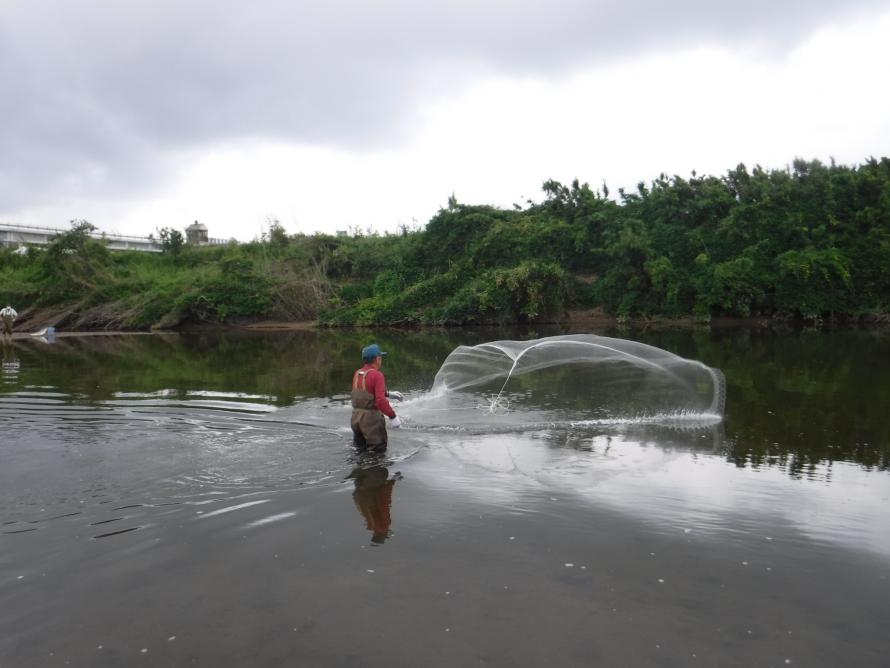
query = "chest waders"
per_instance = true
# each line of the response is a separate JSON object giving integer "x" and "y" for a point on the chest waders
{"x": 368, "y": 424}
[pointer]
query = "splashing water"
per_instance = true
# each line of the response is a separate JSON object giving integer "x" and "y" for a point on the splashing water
{"x": 575, "y": 379}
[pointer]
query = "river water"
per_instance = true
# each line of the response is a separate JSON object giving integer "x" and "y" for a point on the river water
{"x": 193, "y": 499}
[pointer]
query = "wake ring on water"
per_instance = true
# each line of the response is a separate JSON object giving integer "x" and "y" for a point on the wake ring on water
{"x": 678, "y": 422}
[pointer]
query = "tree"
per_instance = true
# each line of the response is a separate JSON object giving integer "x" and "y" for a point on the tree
{"x": 276, "y": 234}
{"x": 74, "y": 261}
{"x": 172, "y": 241}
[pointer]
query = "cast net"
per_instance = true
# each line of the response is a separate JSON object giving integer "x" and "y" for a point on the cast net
{"x": 575, "y": 379}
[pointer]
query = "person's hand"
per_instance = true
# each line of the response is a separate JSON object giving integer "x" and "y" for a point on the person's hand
{"x": 395, "y": 395}
{"x": 395, "y": 423}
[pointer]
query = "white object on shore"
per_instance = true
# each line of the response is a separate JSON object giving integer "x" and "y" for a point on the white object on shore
{"x": 46, "y": 331}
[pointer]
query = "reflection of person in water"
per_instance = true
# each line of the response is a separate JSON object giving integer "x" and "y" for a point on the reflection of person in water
{"x": 373, "y": 498}
{"x": 10, "y": 365}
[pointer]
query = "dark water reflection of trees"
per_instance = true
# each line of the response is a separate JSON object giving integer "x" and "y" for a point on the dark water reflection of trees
{"x": 798, "y": 399}
{"x": 795, "y": 399}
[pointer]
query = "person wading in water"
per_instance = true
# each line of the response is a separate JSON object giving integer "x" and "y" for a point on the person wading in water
{"x": 370, "y": 403}
{"x": 8, "y": 316}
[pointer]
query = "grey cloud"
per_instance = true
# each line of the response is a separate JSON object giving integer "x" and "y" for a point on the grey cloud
{"x": 95, "y": 93}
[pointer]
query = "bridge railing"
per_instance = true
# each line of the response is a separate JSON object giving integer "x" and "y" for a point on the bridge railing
{"x": 54, "y": 231}
{"x": 42, "y": 235}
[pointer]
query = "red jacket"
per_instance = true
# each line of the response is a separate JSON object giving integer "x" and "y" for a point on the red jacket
{"x": 375, "y": 383}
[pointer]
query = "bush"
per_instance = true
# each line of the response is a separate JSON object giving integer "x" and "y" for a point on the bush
{"x": 812, "y": 282}
{"x": 809, "y": 240}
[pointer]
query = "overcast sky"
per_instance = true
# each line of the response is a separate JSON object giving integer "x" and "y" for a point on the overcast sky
{"x": 354, "y": 114}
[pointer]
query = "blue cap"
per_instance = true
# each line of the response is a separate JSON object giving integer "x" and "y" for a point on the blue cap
{"x": 369, "y": 353}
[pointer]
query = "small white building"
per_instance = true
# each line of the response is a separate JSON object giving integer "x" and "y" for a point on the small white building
{"x": 196, "y": 234}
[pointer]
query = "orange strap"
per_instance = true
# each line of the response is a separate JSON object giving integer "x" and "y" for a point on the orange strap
{"x": 360, "y": 374}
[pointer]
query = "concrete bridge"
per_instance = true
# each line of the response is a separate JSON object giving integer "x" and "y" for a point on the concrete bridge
{"x": 13, "y": 234}
{"x": 23, "y": 235}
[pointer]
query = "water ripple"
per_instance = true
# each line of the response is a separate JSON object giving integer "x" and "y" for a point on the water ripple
{"x": 229, "y": 509}
{"x": 117, "y": 533}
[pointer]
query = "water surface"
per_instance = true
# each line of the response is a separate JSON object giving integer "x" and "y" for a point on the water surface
{"x": 194, "y": 500}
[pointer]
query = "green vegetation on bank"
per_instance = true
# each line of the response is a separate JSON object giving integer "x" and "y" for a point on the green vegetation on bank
{"x": 811, "y": 241}
{"x": 87, "y": 286}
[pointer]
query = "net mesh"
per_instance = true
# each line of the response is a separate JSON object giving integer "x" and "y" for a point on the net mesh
{"x": 573, "y": 378}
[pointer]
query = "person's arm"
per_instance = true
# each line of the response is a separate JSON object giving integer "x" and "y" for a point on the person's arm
{"x": 379, "y": 390}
